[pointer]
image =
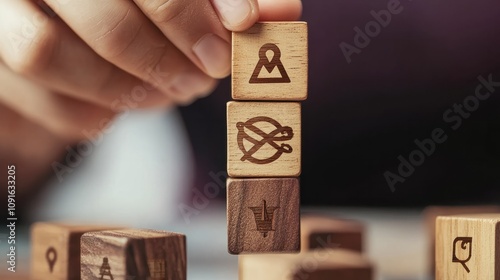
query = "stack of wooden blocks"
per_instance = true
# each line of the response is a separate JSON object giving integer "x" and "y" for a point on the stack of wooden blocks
{"x": 269, "y": 77}
{"x": 70, "y": 252}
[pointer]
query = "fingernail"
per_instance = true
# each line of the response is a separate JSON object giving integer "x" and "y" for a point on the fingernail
{"x": 215, "y": 55}
{"x": 194, "y": 83}
{"x": 233, "y": 12}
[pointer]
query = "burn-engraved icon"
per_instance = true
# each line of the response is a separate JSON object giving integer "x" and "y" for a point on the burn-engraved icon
{"x": 278, "y": 134}
{"x": 105, "y": 269}
{"x": 270, "y": 65}
{"x": 465, "y": 243}
{"x": 264, "y": 218}
{"x": 51, "y": 256}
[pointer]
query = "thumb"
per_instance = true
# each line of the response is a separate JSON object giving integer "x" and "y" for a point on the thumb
{"x": 237, "y": 15}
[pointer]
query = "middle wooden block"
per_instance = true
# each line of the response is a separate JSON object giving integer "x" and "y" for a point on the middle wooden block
{"x": 263, "y": 139}
{"x": 263, "y": 215}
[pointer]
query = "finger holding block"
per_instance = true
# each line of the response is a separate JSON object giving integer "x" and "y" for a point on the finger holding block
{"x": 263, "y": 139}
{"x": 55, "y": 249}
{"x": 133, "y": 254}
{"x": 270, "y": 62}
{"x": 321, "y": 264}
{"x": 468, "y": 247}
{"x": 329, "y": 232}
{"x": 263, "y": 215}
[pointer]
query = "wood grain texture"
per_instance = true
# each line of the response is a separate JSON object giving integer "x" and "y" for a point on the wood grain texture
{"x": 468, "y": 247}
{"x": 133, "y": 254}
{"x": 432, "y": 212}
{"x": 276, "y": 151}
{"x": 248, "y": 231}
{"x": 319, "y": 231}
{"x": 321, "y": 264}
{"x": 55, "y": 249}
{"x": 249, "y": 55}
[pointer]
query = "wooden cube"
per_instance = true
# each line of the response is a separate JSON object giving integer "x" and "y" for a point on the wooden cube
{"x": 263, "y": 215}
{"x": 321, "y": 264}
{"x": 133, "y": 254}
{"x": 263, "y": 139}
{"x": 329, "y": 232}
{"x": 468, "y": 247}
{"x": 432, "y": 212}
{"x": 55, "y": 249}
{"x": 270, "y": 62}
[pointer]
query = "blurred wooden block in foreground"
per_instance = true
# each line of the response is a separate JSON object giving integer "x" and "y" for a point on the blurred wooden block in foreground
{"x": 319, "y": 231}
{"x": 133, "y": 254}
{"x": 321, "y": 264}
{"x": 432, "y": 212}
{"x": 468, "y": 247}
{"x": 55, "y": 249}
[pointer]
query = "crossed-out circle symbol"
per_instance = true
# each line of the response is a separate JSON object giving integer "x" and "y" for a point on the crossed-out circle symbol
{"x": 279, "y": 134}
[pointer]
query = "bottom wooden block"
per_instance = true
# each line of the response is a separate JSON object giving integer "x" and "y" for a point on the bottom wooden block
{"x": 321, "y": 264}
{"x": 133, "y": 254}
{"x": 263, "y": 215}
{"x": 468, "y": 247}
{"x": 319, "y": 231}
{"x": 55, "y": 250}
{"x": 432, "y": 212}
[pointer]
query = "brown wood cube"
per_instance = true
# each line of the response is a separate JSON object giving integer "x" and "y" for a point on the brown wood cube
{"x": 432, "y": 212}
{"x": 55, "y": 249}
{"x": 468, "y": 247}
{"x": 263, "y": 139}
{"x": 319, "y": 231}
{"x": 263, "y": 215}
{"x": 270, "y": 62}
{"x": 320, "y": 264}
{"x": 133, "y": 254}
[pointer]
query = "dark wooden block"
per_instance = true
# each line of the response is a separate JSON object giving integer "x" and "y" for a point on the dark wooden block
{"x": 263, "y": 215}
{"x": 329, "y": 232}
{"x": 133, "y": 254}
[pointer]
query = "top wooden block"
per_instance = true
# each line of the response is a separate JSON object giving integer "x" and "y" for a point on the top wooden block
{"x": 270, "y": 62}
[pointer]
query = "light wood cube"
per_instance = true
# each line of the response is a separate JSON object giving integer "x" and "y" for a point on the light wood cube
{"x": 270, "y": 62}
{"x": 263, "y": 215}
{"x": 321, "y": 264}
{"x": 319, "y": 231}
{"x": 55, "y": 249}
{"x": 133, "y": 254}
{"x": 432, "y": 212}
{"x": 468, "y": 247}
{"x": 263, "y": 139}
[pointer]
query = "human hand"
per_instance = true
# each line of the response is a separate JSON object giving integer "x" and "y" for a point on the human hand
{"x": 75, "y": 66}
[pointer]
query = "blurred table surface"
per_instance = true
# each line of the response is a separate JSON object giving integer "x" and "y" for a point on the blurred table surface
{"x": 395, "y": 241}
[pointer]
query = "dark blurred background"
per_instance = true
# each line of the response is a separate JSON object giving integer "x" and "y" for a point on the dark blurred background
{"x": 360, "y": 116}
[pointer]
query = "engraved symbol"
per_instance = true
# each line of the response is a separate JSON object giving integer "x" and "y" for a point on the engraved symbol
{"x": 264, "y": 218}
{"x": 105, "y": 269}
{"x": 51, "y": 256}
{"x": 264, "y": 62}
{"x": 286, "y": 133}
{"x": 465, "y": 242}
{"x": 157, "y": 269}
